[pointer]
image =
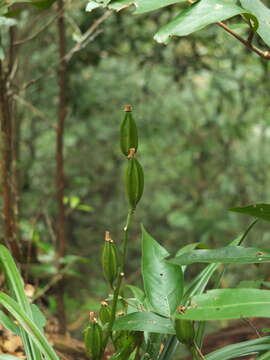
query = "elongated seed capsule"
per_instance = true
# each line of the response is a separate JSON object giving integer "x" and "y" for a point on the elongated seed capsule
{"x": 184, "y": 330}
{"x": 104, "y": 312}
{"x": 109, "y": 259}
{"x": 128, "y": 132}
{"x": 134, "y": 180}
{"x": 93, "y": 338}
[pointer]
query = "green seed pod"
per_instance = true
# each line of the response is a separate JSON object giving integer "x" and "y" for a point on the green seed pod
{"x": 134, "y": 182}
{"x": 105, "y": 312}
{"x": 128, "y": 132}
{"x": 109, "y": 259}
{"x": 185, "y": 332}
{"x": 93, "y": 339}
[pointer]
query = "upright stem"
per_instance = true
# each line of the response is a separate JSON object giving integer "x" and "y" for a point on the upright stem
{"x": 60, "y": 174}
{"x": 119, "y": 279}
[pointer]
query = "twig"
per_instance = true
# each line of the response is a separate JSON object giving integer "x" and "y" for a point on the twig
{"x": 198, "y": 350}
{"x": 50, "y": 227}
{"x": 253, "y": 327}
{"x": 31, "y": 107}
{"x": 39, "y": 31}
{"x": 261, "y": 53}
{"x": 50, "y": 284}
{"x": 88, "y": 36}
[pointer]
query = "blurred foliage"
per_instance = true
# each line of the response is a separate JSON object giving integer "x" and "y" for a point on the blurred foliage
{"x": 202, "y": 113}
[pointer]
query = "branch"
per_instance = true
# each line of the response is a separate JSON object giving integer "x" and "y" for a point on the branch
{"x": 261, "y": 53}
{"x": 35, "y": 34}
{"x": 33, "y": 109}
{"x": 88, "y": 36}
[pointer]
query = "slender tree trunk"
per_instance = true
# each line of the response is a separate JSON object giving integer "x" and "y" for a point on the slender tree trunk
{"x": 6, "y": 164}
{"x": 15, "y": 139}
{"x": 60, "y": 175}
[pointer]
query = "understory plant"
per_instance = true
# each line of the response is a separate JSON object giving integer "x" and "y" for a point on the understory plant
{"x": 22, "y": 317}
{"x": 171, "y": 311}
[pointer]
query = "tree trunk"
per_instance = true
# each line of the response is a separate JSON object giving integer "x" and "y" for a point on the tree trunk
{"x": 6, "y": 165}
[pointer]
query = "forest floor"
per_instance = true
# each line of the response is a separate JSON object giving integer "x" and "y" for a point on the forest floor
{"x": 69, "y": 348}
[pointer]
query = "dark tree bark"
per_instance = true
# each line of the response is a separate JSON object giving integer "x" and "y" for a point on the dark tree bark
{"x": 6, "y": 163}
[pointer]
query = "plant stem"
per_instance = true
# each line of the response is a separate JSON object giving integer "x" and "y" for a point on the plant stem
{"x": 247, "y": 43}
{"x": 169, "y": 348}
{"x": 119, "y": 279}
{"x": 196, "y": 352}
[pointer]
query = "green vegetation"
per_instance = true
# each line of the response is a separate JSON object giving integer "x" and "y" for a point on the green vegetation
{"x": 186, "y": 163}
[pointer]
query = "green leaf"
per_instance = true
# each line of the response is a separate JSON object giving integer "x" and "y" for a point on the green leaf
{"x": 226, "y": 255}
{"x": 186, "y": 249}
{"x": 8, "y": 323}
{"x": 253, "y": 284}
{"x": 240, "y": 349}
{"x": 163, "y": 282}
{"x": 7, "y": 22}
{"x": 144, "y": 321}
{"x": 142, "y": 6}
{"x": 252, "y": 21}
{"x": 8, "y": 357}
{"x": 262, "y": 12}
{"x": 91, "y": 5}
{"x": 137, "y": 292}
{"x": 265, "y": 356}
{"x": 14, "y": 279}
{"x": 198, "y": 16}
{"x": 228, "y": 304}
{"x": 16, "y": 287}
{"x": 43, "y": 4}
{"x": 28, "y": 325}
{"x": 199, "y": 283}
{"x": 39, "y": 318}
{"x": 260, "y": 211}
{"x": 84, "y": 207}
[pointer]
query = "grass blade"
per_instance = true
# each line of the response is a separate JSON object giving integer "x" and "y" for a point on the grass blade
{"x": 29, "y": 326}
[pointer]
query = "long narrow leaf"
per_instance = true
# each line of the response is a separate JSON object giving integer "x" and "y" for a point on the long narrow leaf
{"x": 14, "y": 279}
{"x": 265, "y": 356}
{"x": 16, "y": 287}
{"x": 241, "y": 349}
{"x": 226, "y": 255}
{"x": 228, "y": 304}
{"x": 28, "y": 325}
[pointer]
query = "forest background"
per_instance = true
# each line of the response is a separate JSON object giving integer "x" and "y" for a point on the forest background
{"x": 201, "y": 105}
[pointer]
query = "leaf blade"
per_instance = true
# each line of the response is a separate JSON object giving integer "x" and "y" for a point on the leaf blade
{"x": 259, "y": 211}
{"x": 225, "y": 255}
{"x": 198, "y": 16}
{"x": 144, "y": 321}
{"x": 163, "y": 282}
{"x": 228, "y": 304}
{"x": 262, "y": 13}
